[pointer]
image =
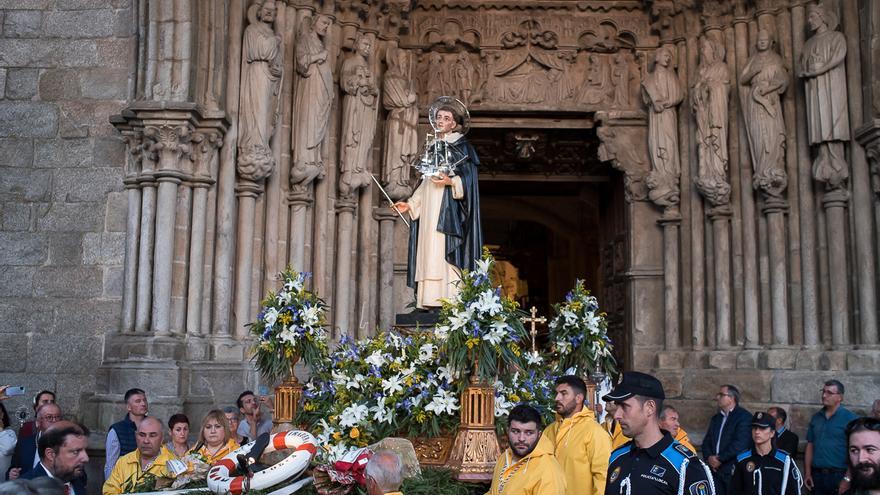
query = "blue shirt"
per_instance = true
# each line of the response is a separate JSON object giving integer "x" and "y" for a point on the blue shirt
{"x": 828, "y": 438}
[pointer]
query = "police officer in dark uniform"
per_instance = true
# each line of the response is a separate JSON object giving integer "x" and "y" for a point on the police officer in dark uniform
{"x": 652, "y": 462}
{"x": 764, "y": 469}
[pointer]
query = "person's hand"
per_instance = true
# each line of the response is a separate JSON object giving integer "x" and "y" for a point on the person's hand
{"x": 843, "y": 487}
{"x": 714, "y": 462}
{"x": 3, "y": 395}
{"x": 808, "y": 481}
{"x": 14, "y": 473}
{"x": 269, "y": 402}
{"x": 401, "y": 207}
{"x": 441, "y": 180}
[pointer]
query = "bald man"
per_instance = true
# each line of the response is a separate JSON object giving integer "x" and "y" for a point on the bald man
{"x": 384, "y": 473}
{"x": 149, "y": 457}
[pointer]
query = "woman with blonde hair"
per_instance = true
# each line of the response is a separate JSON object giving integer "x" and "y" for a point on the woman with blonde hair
{"x": 215, "y": 439}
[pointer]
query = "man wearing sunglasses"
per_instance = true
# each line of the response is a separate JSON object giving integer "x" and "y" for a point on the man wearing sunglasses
{"x": 825, "y": 456}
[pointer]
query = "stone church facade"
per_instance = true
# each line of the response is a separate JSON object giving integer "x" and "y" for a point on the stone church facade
{"x": 162, "y": 160}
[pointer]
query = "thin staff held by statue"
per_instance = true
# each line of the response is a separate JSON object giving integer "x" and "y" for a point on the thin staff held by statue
{"x": 390, "y": 201}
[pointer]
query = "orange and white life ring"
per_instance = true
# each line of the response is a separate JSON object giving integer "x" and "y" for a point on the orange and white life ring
{"x": 220, "y": 479}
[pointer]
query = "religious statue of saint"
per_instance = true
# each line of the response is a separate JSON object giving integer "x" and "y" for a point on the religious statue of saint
{"x": 463, "y": 75}
{"x": 445, "y": 236}
{"x": 359, "y": 107}
{"x": 401, "y": 127}
{"x": 261, "y": 73}
{"x": 824, "y": 74}
{"x": 314, "y": 97}
{"x": 662, "y": 94}
{"x": 598, "y": 81}
{"x": 710, "y": 100}
{"x": 765, "y": 78}
{"x": 621, "y": 75}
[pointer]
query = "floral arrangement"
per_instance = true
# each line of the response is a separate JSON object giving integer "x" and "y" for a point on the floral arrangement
{"x": 478, "y": 324}
{"x": 579, "y": 335}
{"x": 534, "y": 385}
{"x": 290, "y": 325}
{"x": 378, "y": 387}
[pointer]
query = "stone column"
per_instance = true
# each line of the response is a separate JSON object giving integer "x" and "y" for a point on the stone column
{"x": 386, "y": 218}
{"x": 806, "y": 199}
{"x": 345, "y": 207}
{"x": 835, "y": 203}
{"x": 145, "y": 249}
{"x": 300, "y": 200}
{"x": 132, "y": 230}
{"x": 720, "y": 217}
{"x": 247, "y": 192}
{"x": 861, "y": 185}
{"x": 170, "y": 140}
{"x": 774, "y": 209}
{"x": 868, "y": 136}
{"x": 751, "y": 337}
{"x": 671, "y": 223}
{"x": 206, "y": 144}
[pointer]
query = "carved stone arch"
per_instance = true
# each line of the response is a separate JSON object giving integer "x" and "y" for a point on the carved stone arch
{"x": 450, "y": 36}
{"x": 606, "y": 38}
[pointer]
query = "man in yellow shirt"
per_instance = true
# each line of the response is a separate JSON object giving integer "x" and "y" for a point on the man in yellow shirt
{"x": 148, "y": 458}
{"x": 527, "y": 467}
{"x": 580, "y": 444}
{"x": 669, "y": 422}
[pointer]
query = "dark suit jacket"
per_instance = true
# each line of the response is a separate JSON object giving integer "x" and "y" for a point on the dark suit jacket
{"x": 79, "y": 484}
{"x": 23, "y": 457}
{"x": 788, "y": 442}
{"x": 736, "y": 436}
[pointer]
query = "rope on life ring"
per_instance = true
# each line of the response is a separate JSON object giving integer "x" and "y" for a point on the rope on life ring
{"x": 220, "y": 479}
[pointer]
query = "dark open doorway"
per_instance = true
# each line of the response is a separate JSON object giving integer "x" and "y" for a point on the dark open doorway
{"x": 552, "y": 213}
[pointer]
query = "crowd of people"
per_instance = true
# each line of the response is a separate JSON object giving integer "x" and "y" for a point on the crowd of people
{"x": 640, "y": 447}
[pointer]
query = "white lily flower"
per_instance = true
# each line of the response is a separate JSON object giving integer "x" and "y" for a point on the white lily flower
{"x": 382, "y": 414}
{"x": 460, "y": 319}
{"x": 444, "y": 402}
{"x": 426, "y": 352}
{"x": 489, "y": 303}
{"x": 270, "y": 316}
{"x": 497, "y": 332}
{"x": 441, "y": 332}
{"x": 563, "y": 347}
{"x": 376, "y": 359}
{"x": 287, "y": 335}
{"x": 310, "y": 316}
{"x": 353, "y": 415}
{"x": 447, "y": 373}
{"x": 284, "y": 297}
{"x": 502, "y": 406}
{"x": 570, "y": 317}
{"x": 483, "y": 266}
{"x": 392, "y": 385}
{"x": 533, "y": 357}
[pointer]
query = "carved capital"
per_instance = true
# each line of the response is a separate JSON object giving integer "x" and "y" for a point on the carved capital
{"x": 868, "y": 136}
{"x": 207, "y": 142}
{"x": 346, "y": 204}
{"x": 170, "y": 141}
{"x": 624, "y": 144}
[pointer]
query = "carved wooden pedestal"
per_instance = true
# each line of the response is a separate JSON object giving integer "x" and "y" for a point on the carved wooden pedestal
{"x": 476, "y": 447}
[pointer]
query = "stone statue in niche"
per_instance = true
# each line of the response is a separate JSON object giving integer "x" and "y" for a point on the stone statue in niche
{"x": 764, "y": 79}
{"x": 401, "y": 132}
{"x": 435, "y": 78}
{"x": 260, "y": 77}
{"x": 359, "y": 107}
{"x": 463, "y": 75}
{"x": 662, "y": 94}
{"x": 824, "y": 74}
{"x": 710, "y": 100}
{"x": 622, "y": 75}
{"x": 314, "y": 97}
{"x": 597, "y": 85}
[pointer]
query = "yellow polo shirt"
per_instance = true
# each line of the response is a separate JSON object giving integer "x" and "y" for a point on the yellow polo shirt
{"x": 127, "y": 472}
{"x": 582, "y": 448}
{"x": 682, "y": 438}
{"x": 535, "y": 474}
